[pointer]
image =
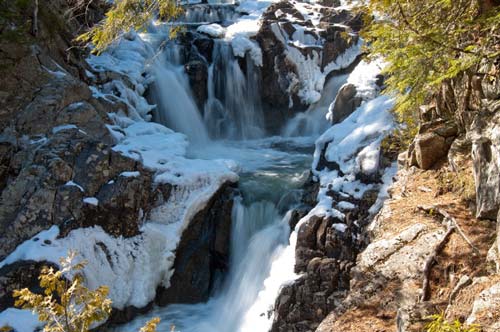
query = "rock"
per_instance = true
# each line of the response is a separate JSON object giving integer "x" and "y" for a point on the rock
{"x": 345, "y": 104}
{"x": 412, "y": 317}
{"x": 493, "y": 257}
{"x": 431, "y": 144}
{"x": 197, "y": 71}
{"x": 203, "y": 252}
{"x": 329, "y": 3}
{"x": 204, "y": 47}
{"x": 335, "y": 44}
{"x": 486, "y": 309}
{"x": 486, "y": 165}
{"x": 429, "y": 148}
{"x": 37, "y": 195}
{"x": 17, "y": 276}
{"x": 277, "y": 73}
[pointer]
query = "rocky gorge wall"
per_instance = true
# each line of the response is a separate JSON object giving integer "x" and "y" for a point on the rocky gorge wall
{"x": 366, "y": 271}
{"x": 61, "y": 175}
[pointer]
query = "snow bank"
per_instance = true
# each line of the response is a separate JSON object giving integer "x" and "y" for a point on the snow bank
{"x": 213, "y": 30}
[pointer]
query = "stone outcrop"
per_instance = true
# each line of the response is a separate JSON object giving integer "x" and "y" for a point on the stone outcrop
{"x": 58, "y": 166}
{"x": 281, "y": 76}
{"x": 471, "y": 101}
{"x": 432, "y": 143}
{"x": 203, "y": 252}
{"x": 486, "y": 162}
{"x": 346, "y": 102}
{"x": 325, "y": 254}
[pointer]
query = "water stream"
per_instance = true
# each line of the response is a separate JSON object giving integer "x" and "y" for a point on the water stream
{"x": 272, "y": 171}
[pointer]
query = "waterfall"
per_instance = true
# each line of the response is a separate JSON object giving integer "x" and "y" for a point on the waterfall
{"x": 233, "y": 109}
{"x": 175, "y": 104}
{"x": 214, "y": 13}
{"x": 313, "y": 121}
{"x": 259, "y": 235}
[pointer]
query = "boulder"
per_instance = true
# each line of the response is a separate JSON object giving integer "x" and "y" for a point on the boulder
{"x": 431, "y": 144}
{"x": 345, "y": 103}
{"x": 203, "y": 253}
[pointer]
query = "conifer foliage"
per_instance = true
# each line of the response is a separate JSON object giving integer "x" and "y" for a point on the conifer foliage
{"x": 126, "y": 15}
{"x": 426, "y": 42}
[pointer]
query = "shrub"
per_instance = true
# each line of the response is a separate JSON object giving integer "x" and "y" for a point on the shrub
{"x": 439, "y": 324}
{"x": 69, "y": 306}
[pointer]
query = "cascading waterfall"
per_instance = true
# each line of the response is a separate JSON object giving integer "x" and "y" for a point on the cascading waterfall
{"x": 261, "y": 257}
{"x": 233, "y": 109}
{"x": 217, "y": 13}
{"x": 259, "y": 236}
{"x": 313, "y": 121}
{"x": 176, "y": 107}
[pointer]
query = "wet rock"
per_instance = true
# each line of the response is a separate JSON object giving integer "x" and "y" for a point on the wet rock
{"x": 204, "y": 47}
{"x": 345, "y": 104}
{"x": 203, "y": 252}
{"x": 197, "y": 71}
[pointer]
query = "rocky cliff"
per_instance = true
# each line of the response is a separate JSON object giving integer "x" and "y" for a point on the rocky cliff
{"x": 63, "y": 180}
{"x": 431, "y": 248}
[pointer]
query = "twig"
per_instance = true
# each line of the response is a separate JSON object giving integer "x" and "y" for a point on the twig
{"x": 448, "y": 217}
{"x": 429, "y": 263}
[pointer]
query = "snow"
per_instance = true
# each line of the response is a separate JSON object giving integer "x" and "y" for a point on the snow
{"x": 364, "y": 129}
{"x": 364, "y": 77}
{"x": 241, "y": 45}
{"x": 20, "y": 320}
{"x": 71, "y": 183}
{"x": 340, "y": 227}
{"x": 213, "y": 30}
{"x": 91, "y": 200}
{"x": 63, "y": 127}
{"x": 311, "y": 77}
{"x": 344, "y": 205}
{"x": 354, "y": 146}
{"x": 132, "y": 174}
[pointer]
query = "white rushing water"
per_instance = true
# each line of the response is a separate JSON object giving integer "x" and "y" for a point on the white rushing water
{"x": 233, "y": 109}
{"x": 261, "y": 259}
{"x": 272, "y": 171}
{"x": 313, "y": 121}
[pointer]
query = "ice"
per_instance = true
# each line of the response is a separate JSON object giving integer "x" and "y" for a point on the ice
{"x": 71, "y": 183}
{"x": 91, "y": 200}
{"x": 340, "y": 227}
{"x": 20, "y": 320}
{"x": 242, "y": 45}
{"x": 130, "y": 174}
{"x": 213, "y": 30}
{"x": 63, "y": 127}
